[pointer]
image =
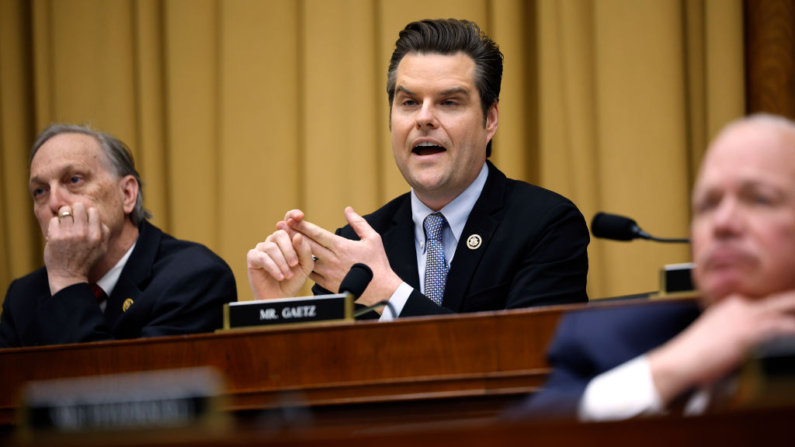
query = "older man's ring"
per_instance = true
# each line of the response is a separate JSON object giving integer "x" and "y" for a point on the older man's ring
{"x": 314, "y": 258}
{"x": 66, "y": 214}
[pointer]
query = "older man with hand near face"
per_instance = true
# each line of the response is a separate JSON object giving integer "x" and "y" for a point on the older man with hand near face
{"x": 109, "y": 273}
{"x": 465, "y": 238}
{"x": 618, "y": 363}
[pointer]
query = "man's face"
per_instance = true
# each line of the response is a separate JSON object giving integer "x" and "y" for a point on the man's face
{"x": 743, "y": 229}
{"x": 438, "y": 137}
{"x": 71, "y": 168}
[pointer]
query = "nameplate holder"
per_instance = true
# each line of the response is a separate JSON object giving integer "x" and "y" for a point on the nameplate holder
{"x": 175, "y": 401}
{"x": 768, "y": 377}
{"x": 288, "y": 311}
{"x": 676, "y": 279}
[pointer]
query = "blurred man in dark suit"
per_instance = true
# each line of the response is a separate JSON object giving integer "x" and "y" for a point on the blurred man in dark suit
{"x": 616, "y": 363}
{"x": 109, "y": 273}
{"x": 465, "y": 238}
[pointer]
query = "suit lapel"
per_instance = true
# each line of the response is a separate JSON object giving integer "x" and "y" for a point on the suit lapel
{"x": 482, "y": 222}
{"x": 137, "y": 269}
{"x": 399, "y": 245}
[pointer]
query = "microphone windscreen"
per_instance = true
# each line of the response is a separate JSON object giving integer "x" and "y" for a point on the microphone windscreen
{"x": 357, "y": 279}
{"x": 612, "y": 226}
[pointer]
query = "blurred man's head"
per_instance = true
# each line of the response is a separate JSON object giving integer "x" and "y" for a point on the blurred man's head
{"x": 743, "y": 228}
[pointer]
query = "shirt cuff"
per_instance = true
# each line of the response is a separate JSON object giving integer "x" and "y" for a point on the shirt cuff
{"x": 623, "y": 392}
{"x": 398, "y": 301}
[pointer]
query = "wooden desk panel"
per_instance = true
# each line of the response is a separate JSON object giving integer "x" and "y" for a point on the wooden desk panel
{"x": 761, "y": 427}
{"x": 492, "y": 353}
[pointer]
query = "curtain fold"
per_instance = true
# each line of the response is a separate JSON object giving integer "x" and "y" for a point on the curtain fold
{"x": 20, "y": 240}
{"x": 239, "y": 110}
{"x": 631, "y": 92}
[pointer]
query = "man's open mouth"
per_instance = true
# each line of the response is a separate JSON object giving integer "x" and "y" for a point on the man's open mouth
{"x": 427, "y": 148}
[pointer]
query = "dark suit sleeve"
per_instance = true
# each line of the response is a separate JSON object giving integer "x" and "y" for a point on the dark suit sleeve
{"x": 572, "y": 371}
{"x": 185, "y": 295}
{"x": 71, "y": 316}
{"x": 29, "y": 321}
{"x": 593, "y": 341}
{"x": 8, "y": 331}
{"x": 555, "y": 268}
{"x": 190, "y": 293}
{"x": 419, "y": 304}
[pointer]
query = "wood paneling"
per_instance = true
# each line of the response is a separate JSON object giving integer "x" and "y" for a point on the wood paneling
{"x": 420, "y": 359}
{"x": 770, "y": 56}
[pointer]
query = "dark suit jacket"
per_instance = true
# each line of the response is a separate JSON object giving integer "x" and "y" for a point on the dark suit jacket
{"x": 533, "y": 250}
{"x": 596, "y": 340}
{"x": 177, "y": 287}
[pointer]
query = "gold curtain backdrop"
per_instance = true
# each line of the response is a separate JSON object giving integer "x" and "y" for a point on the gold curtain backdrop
{"x": 239, "y": 110}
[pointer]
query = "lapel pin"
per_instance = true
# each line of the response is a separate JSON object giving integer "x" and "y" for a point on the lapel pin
{"x": 474, "y": 241}
{"x": 127, "y": 303}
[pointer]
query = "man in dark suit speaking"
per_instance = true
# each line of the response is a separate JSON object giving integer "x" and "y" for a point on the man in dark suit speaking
{"x": 616, "y": 363}
{"x": 465, "y": 238}
{"x": 108, "y": 274}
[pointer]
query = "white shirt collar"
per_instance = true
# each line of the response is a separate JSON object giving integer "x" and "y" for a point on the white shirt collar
{"x": 456, "y": 212}
{"x": 108, "y": 282}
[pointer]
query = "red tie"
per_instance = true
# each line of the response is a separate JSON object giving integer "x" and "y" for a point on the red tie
{"x": 99, "y": 294}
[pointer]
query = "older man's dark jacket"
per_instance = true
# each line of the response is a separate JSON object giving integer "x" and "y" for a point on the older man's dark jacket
{"x": 593, "y": 341}
{"x": 175, "y": 287}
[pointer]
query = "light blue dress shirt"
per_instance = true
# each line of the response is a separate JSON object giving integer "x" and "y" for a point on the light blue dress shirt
{"x": 456, "y": 212}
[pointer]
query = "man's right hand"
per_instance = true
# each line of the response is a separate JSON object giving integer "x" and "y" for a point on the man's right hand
{"x": 719, "y": 341}
{"x": 75, "y": 243}
{"x": 279, "y": 266}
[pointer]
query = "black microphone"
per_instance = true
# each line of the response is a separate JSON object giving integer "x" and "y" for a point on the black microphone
{"x": 357, "y": 280}
{"x": 355, "y": 283}
{"x": 620, "y": 228}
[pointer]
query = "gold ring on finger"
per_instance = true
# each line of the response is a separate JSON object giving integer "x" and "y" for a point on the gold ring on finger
{"x": 66, "y": 214}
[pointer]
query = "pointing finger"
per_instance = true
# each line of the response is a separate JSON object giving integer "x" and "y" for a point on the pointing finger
{"x": 296, "y": 215}
{"x": 314, "y": 232}
{"x": 359, "y": 225}
{"x": 322, "y": 254}
{"x": 284, "y": 226}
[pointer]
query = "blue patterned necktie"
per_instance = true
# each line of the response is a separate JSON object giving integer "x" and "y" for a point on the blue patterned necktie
{"x": 435, "y": 264}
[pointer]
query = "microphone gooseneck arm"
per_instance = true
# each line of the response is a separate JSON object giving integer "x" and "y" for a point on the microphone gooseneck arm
{"x": 674, "y": 240}
{"x": 364, "y": 310}
{"x": 644, "y": 235}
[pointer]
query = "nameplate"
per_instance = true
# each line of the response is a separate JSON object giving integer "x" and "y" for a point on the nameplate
{"x": 283, "y": 311}
{"x": 768, "y": 377}
{"x": 676, "y": 278}
{"x": 145, "y": 400}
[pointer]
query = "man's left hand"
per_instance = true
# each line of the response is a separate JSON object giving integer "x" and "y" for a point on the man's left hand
{"x": 336, "y": 255}
{"x": 75, "y": 244}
